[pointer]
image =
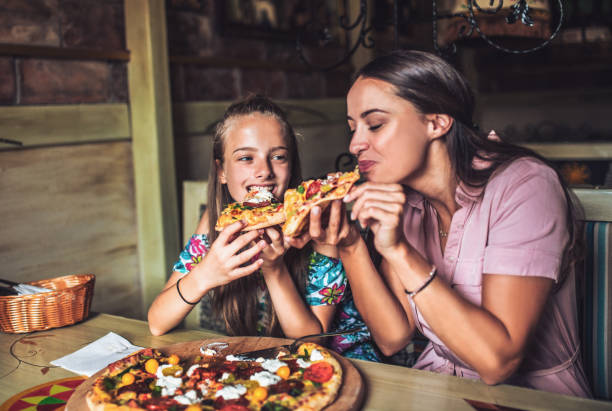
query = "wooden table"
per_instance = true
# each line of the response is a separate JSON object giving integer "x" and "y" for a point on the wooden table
{"x": 24, "y": 363}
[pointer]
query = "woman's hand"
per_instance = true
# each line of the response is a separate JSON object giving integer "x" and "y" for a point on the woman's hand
{"x": 225, "y": 261}
{"x": 379, "y": 207}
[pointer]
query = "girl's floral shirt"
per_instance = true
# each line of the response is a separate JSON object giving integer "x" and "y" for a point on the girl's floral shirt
{"x": 326, "y": 285}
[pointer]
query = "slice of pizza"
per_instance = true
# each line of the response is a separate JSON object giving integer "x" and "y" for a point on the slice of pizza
{"x": 310, "y": 193}
{"x": 259, "y": 209}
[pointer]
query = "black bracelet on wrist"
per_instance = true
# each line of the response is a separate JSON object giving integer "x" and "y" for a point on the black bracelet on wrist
{"x": 181, "y": 295}
{"x": 432, "y": 275}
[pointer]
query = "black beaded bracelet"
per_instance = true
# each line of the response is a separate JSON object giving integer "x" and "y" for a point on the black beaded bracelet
{"x": 181, "y": 295}
{"x": 432, "y": 275}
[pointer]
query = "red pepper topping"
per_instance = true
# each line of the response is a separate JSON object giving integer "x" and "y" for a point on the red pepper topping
{"x": 313, "y": 189}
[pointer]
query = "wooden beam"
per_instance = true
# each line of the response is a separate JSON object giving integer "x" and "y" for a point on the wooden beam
{"x": 52, "y": 125}
{"x": 572, "y": 151}
{"x": 153, "y": 145}
{"x": 71, "y": 53}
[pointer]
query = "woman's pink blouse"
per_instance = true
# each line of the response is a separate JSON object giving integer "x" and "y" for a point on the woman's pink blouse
{"x": 518, "y": 227}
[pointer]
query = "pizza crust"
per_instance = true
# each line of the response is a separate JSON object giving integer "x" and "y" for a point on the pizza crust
{"x": 271, "y": 219}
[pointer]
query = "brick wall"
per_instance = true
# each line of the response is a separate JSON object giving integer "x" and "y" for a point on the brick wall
{"x": 90, "y": 24}
{"x": 194, "y": 29}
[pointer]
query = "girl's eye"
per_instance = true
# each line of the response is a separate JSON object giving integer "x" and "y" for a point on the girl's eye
{"x": 245, "y": 158}
{"x": 279, "y": 157}
{"x": 375, "y": 127}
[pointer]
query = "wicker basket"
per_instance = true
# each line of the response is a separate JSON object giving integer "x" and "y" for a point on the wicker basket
{"x": 67, "y": 304}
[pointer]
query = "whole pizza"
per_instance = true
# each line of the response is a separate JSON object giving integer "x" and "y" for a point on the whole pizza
{"x": 308, "y": 379}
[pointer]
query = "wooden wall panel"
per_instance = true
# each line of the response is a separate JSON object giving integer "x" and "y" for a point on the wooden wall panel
{"x": 64, "y": 124}
{"x": 70, "y": 209}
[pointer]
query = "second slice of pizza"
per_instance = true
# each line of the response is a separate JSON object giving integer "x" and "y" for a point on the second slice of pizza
{"x": 320, "y": 192}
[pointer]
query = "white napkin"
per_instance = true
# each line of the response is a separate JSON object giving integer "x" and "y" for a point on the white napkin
{"x": 97, "y": 355}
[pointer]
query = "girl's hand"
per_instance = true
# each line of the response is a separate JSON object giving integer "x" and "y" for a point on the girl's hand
{"x": 379, "y": 207}
{"x": 225, "y": 261}
{"x": 273, "y": 254}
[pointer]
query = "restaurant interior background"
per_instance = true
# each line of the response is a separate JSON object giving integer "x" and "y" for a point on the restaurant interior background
{"x": 114, "y": 101}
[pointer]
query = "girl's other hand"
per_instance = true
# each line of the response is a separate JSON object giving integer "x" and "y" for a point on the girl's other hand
{"x": 273, "y": 254}
{"x": 379, "y": 207}
{"x": 225, "y": 261}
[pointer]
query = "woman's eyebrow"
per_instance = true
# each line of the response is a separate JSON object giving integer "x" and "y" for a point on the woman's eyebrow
{"x": 368, "y": 112}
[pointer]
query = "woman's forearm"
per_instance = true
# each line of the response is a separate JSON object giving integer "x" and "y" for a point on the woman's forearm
{"x": 380, "y": 309}
{"x": 474, "y": 334}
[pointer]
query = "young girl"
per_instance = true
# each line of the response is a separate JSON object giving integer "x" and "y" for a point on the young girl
{"x": 259, "y": 285}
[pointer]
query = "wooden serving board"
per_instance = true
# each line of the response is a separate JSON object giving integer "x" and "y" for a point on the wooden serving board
{"x": 350, "y": 397}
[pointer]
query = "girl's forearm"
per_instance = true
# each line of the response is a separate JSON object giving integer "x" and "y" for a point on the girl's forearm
{"x": 168, "y": 309}
{"x": 295, "y": 318}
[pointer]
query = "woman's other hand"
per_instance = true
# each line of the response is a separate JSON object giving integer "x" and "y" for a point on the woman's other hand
{"x": 225, "y": 261}
{"x": 329, "y": 233}
{"x": 379, "y": 207}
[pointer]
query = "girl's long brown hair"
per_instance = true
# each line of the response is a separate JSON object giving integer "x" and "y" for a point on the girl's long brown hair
{"x": 236, "y": 302}
{"x": 434, "y": 87}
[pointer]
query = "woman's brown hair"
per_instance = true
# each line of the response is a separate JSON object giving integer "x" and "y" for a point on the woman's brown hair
{"x": 236, "y": 302}
{"x": 433, "y": 86}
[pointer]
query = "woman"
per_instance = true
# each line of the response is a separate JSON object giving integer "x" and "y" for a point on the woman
{"x": 477, "y": 237}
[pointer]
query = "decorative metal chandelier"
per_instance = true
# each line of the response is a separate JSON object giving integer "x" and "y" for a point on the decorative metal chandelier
{"x": 519, "y": 13}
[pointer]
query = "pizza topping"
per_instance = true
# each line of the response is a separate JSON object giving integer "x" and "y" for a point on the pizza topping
{"x": 283, "y": 372}
{"x": 292, "y": 387}
{"x": 192, "y": 369}
{"x": 315, "y": 355}
{"x": 260, "y": 393}
{"x": 190, "y": 397}
{"x": 265, "y": 378}
{"x": 231, "y": 392}
{"x": 170, "y": 380}
{"x": 151, "y": 365}
{"x": 313, "y": 189}
{"x": 173, "y": 359}
{"x": 319, "y": 372}
{"x": 272, "y": 365}
{"x": 259, "y": 198}
{"x": 226, "y": 377}
{"x": 302, "y": 363}
{"x": 234, "y": 407}
{"x": 208, "y": 352}
{"x": 127, "y": 378}
{"x": 232, "y": 357}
